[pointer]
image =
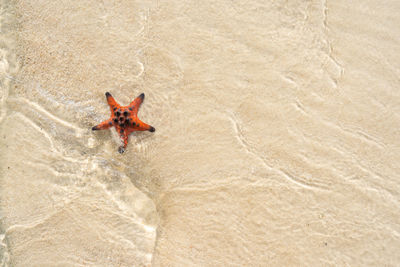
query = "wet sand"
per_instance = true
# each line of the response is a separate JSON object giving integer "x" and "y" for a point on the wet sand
{"x": 277, "y": 140}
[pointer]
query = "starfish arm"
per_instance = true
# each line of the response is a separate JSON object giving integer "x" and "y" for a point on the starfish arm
{"x": 135, "y": 104}
{"x": 103, "y": 126}
{"x": 124, "y": 137}
{"x": 123, "y": 134}
{"x": 111, "y": 102}
{"x": 141, "y": 126}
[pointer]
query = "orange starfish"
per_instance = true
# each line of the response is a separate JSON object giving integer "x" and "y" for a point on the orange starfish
{"x": 124, "y": 119}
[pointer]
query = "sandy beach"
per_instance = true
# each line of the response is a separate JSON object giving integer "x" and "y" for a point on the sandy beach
{"x": 277, "y": 140}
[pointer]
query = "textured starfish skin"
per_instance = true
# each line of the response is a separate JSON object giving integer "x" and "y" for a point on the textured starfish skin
{"x": 124, "y": 119}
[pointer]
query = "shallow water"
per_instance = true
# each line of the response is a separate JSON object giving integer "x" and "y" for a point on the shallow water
{"x": 276, "y": 143}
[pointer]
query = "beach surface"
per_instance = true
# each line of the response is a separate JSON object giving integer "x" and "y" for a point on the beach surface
{"x": 277, "y": 136}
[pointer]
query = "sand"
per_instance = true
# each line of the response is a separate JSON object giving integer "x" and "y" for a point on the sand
{"x": 276, "y": 144}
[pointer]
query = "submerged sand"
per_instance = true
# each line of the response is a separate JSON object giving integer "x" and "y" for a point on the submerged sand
{"x": 277, "y": 140}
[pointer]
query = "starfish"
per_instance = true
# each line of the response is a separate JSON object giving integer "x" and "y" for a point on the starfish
{"x": 124, "y": 119}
